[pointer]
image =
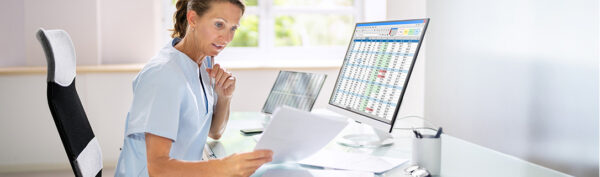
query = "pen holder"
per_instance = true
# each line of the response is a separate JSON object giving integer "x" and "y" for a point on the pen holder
{"x": 426, "y": 153}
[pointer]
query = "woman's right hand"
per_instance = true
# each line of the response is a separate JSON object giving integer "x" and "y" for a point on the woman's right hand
{"x": 245, "y": 164}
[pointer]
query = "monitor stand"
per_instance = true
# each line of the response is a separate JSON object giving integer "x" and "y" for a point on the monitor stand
{"x": 366, "y": 139}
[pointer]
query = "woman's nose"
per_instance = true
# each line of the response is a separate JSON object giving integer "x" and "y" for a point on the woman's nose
{"x": 229, "y": 36}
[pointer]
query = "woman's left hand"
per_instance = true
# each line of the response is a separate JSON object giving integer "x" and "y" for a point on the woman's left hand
{"x": 224, "y": 81}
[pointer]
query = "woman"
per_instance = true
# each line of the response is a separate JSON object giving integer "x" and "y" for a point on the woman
{"x": 179, "y": 99}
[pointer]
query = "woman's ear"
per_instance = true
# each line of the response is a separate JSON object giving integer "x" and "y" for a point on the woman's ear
{"x": 191, "y": 18}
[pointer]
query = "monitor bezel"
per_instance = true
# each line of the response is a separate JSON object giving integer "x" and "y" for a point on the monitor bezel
{"x": 363, "y": 118}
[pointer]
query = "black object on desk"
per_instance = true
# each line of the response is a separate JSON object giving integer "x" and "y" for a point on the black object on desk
{"x": 251, "y": 131}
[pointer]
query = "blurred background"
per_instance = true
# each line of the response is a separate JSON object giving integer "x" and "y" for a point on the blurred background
{"x": 519, "y": 77}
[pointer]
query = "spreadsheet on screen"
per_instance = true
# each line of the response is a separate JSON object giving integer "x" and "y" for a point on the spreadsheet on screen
{"x": 376, "y": 67}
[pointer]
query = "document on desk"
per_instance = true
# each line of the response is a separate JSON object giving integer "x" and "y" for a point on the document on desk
{"x": 352, "y": 161}
{"x": 294, "y": 135}
{"x": 314, "y": 173}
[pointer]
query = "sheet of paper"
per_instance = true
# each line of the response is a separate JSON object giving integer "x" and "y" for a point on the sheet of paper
{"x": 293, "y": 135}
{"x": 352, "y": 161}
{"x": 314, "y": 173}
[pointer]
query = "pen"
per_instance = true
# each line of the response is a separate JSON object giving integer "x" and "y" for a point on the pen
{"x": 210, "y": 66}
{"x": 439, "y": 133}
{"x": 416, "y": 133}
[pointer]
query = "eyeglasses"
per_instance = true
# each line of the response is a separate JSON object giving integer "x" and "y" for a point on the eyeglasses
{"x": 417, "y": 171}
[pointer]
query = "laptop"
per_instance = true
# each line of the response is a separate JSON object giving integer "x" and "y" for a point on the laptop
{"x": 294, "y": 89}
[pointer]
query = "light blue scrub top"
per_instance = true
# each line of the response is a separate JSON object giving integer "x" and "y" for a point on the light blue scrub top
{"x": 168, "y": 101}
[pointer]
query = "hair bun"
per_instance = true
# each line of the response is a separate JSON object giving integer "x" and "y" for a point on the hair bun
{"x": 179, "y": 19}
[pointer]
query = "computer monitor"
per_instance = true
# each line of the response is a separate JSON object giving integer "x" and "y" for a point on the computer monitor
{"x": 294, "y": 89}
{"x": 375, "y": 73}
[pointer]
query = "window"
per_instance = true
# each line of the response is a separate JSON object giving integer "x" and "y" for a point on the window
{"x": 290, "y": 32}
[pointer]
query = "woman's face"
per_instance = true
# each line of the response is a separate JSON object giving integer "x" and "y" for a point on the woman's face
{"x": 215, "y": 29}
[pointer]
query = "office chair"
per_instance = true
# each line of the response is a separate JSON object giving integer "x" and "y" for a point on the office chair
{"x": 82, "y": 147}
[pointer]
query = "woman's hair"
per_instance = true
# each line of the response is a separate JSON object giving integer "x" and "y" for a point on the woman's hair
{"x": 198, "y": 6}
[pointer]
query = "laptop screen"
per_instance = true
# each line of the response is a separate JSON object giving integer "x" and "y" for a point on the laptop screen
{"x": 294, "y": 89}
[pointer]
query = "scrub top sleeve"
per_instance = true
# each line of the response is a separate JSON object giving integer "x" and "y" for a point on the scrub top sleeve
{"x": 156, "y": 105}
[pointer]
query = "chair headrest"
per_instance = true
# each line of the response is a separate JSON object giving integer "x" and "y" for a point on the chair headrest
{"x": 60, "y": 55}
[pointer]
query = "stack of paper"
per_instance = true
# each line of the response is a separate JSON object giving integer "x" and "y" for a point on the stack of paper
{"x": 314, "y": 173}
{"x": 352, "y": 161}
{"x": 297, "y": 136}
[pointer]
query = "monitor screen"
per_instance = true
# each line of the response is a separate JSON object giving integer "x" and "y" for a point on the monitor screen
{"x": 294, "y": 89}
{"x": 377, "y": 67}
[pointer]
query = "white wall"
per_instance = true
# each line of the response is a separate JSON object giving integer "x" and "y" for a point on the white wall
{"x": 406, "y": 9}
{"x": 413, "y": 102}
{"x": 78, "y": 18}
{"x": 520, "y": 77}
{"x": 129, "y": 30}
{"x": 103, "y": 31}
{"x": 12, "y": 45}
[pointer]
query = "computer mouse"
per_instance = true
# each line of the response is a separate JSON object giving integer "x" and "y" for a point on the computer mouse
{"x": 420, "y": 173}
{"x": 417, "y": 171}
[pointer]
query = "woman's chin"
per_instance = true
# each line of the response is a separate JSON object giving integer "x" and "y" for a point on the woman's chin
{"x": 214, "y": 53}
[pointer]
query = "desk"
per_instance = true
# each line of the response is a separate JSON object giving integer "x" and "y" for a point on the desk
{"x": 459, "y": 158}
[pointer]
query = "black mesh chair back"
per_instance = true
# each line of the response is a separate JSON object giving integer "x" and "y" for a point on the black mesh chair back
{"x": 82, "y": 147}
